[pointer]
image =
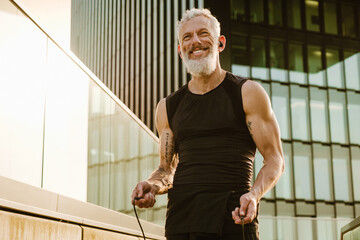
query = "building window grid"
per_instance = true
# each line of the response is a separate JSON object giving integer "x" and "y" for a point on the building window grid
{"x": 265, "y": 19}
{"x": 323, "y": 60}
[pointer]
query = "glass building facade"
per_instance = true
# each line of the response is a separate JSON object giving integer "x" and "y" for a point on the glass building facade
{"x": 306, "y": 55}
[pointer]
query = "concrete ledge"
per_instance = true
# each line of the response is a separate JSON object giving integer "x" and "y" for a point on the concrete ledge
{"x": 32, "y": 200}
{"x": 17, "y": 226}
{"x": 97, "y": 234}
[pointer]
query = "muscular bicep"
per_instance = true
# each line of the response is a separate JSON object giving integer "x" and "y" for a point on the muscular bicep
{"x": 261, "y": 121}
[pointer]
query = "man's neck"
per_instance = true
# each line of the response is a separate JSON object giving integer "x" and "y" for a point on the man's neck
{"x": 204, "y": 84}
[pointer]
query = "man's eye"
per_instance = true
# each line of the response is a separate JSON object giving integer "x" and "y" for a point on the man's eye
{"x": 204, "y": 33}
{"x": 186, "y": 37}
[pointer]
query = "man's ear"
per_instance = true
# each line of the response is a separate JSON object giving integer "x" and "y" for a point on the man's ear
{"x": 179, "y": 51}
{"x": 222, "y": 43}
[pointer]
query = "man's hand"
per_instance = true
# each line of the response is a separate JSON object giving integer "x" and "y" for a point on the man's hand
{"x": 143, "y": 195}
{"x": 247, "y": 210}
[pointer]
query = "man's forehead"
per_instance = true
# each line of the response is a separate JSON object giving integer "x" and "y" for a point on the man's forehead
{"x": 198, "y": 22}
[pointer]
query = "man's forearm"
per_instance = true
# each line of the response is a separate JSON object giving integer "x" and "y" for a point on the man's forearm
{"x": 161, "y": 180}
{"x": 266, "y": 179}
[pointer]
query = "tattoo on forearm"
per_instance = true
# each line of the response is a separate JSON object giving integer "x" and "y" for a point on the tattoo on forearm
{"x": 169, "y": 148}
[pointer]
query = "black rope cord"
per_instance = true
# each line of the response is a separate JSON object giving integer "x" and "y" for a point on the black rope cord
{"x": 242, "y": 224}
{"x": 137, "y": 218}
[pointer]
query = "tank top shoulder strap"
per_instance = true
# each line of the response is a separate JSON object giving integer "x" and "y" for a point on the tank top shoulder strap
{"x": 172, "y": 102}
{"x": 232, "y": 86}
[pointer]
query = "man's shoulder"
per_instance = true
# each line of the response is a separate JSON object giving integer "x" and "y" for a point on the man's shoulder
{"x": 235, "y": 79}
{"x": 178, "y": 93}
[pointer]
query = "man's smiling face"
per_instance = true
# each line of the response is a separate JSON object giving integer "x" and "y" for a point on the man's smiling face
{"x": 198, "y": 46}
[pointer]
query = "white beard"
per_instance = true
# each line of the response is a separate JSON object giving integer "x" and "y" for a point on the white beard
{"x": 201, "y": 67}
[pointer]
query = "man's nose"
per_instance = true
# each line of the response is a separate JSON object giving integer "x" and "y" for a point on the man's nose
{"x": 195, "y": 39}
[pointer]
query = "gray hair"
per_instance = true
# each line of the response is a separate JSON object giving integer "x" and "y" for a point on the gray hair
{"x": 195, "y": 12}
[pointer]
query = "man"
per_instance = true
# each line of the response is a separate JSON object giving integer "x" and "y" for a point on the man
{"x": 209, "y": 131}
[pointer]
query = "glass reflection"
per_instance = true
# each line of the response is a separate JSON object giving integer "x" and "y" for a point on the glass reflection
{"x": 257, "y": 11}
{"x": 354, "y": 116}
{"x": 352, "y": 70}
{"x": 322, "y": 172}
{"x": 280, "y": 104}
{"x": 319, "y": 115}
{"x": 258, "y": 60}
{"x": 303, "y": 172}
{"x": 240, "y": 58}
{"x": 312, "y": 15}
{"x": 355, "y": 162}
{"x": 238, "y": 10}
{"x": 316, "y": 74}
{"x": 299, "y": 113}
{"x": 275, "y": 12}
{"x": 277, "y": 61}
{"x": 296, "y": 64}
{"x": 348, "y": 20}
{"x": 294, "y": 14}
{"x": 286, "y": 229}
{"x": 342, "y": 174}
{"x": 334, "y": 69}
{"x": 338, "y": 125}
{"x": 284, "y": 186}
{"x": 330, "y": 18}
{"x": 305, "y": 224}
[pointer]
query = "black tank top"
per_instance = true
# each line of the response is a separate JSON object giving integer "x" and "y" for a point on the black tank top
{"x": 211, "y": 136}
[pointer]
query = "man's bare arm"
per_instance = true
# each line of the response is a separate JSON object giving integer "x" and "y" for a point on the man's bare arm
{"x": 265, "y": 132}
{"x": 162, "y": 178}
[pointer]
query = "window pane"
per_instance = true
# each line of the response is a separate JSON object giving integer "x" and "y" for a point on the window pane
{"x": 275, "y": 12}
{"x": 355, "y": 155}
{"x": 352, "y": 70}
{"x": 284, "y": 187}
{"x": 354, "y": 116}
{"x": 238, "y": 10}
{"x": 277, "y": 61}
{"x": 312, "y": 15}
{"x": 240, "y": 58}
{"x": 293, "y": 13}
{"x": 330, "y": 18}
{"x": 316, "y": 74}
{"x": 338, "y": 126}
{"x": 348, "y": 20}
{"x": 299, "y": 113}
{"x": 342, "y": 173}
{"x": 257, "y": 11}
{"x": 280, "y": 104}
{"x": 296, "y": 64}
{"x": 334, "y": 69}
{"x": 303, "y": 170}
{"x": 319, "y": 115}
{"x": 258, "y": 60}
{"x": 322, "y": 172}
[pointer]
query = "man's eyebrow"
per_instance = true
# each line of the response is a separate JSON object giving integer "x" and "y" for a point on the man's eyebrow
{"x": 201, "y": 29}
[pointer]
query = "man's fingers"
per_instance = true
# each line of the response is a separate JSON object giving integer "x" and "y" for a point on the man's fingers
{"x": 244, "y": 203}
{"x": 235, "y": 214}
{"x": 147, "y": 201}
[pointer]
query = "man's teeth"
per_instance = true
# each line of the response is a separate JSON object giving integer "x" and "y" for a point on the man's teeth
{"x": 198, "y": 51}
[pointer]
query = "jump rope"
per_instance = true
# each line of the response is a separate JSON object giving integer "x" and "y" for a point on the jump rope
{"x": 137, "y": 218}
